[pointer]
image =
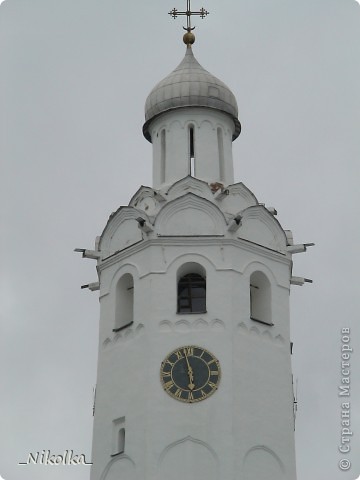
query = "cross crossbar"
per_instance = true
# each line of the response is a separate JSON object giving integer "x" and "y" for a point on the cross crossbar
{"x": 202, "y": 13}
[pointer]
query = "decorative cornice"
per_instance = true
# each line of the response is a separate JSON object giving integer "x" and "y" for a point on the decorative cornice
{"x": 198, "y": 241}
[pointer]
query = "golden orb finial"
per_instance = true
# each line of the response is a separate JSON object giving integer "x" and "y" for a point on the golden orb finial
{"x": 189, "y": 39}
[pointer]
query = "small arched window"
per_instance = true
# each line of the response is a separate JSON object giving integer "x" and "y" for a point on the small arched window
{"x": 121, "y": 440}
{"x": 118, "y": 436}
{"x": 124, "y": 309}
{"x": 260, "y": 298}
{"x": 191, "y": 294}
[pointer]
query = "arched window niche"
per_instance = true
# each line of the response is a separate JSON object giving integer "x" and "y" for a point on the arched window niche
{"x": 124, "y": 308}
{"x": 191, "y": 149}
{"x": 191, "y": 288}
{"x": 121, "y": 441}
{"x": 118, "y": 436}
{"x": 260, "y": 298}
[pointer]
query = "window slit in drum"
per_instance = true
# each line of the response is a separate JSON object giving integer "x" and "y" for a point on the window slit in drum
{"x": 163, "y": 156}
{"x": 221, "y": 154}
{"x": 192, "y": 151}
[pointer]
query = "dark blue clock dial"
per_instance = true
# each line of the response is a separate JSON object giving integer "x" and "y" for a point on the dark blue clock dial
{"x": 190, "y": 374}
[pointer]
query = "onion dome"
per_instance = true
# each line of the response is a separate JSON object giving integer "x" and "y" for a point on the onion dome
{"x": 190, "y": 85}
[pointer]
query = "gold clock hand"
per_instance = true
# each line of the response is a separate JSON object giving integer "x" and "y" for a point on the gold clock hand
{"x": 187, "y": 361}
{"x": 190, "y": 373}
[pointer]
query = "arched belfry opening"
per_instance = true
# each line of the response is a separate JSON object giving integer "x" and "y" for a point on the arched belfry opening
{"x": 192, "y": 294}
{"x": 191, "y": 289}
{"x": 124, "y": 302}
{"x": 260, "y": 298}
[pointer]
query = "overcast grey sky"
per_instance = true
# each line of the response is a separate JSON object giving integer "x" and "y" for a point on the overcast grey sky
{"x": 74, "y": 76}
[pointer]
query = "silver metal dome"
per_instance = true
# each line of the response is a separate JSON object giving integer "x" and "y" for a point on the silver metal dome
{"x": 190, "y": 85}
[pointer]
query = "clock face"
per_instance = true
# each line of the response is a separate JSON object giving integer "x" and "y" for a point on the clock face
{"x": 190, "y": 374}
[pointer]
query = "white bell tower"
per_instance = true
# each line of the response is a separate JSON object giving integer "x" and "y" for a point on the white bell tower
{"x": 194, "y": 371}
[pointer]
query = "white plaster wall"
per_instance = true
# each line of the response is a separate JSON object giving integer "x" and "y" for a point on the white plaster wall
{"x": 206, "y": 121}
{"x": 253, "y": 405}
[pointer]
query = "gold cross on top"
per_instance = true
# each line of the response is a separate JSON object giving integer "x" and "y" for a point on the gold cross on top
{"x": 202, "y": 13}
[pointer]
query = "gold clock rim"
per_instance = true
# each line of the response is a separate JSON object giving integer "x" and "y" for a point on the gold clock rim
{"x": 184, "y": 400}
